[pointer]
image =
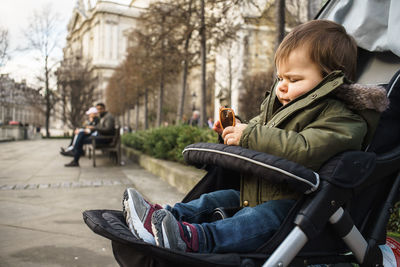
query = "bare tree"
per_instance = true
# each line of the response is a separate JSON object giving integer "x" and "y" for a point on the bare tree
{"x": 214, "y": 30}
{"x": 76, "y": 87}
{"x": 187, "y": 56}
{"x": 4, "y": 43}
{"x": 203, "y": 58}
{"x": 160, "y": 32}
{"x": 143, "y": 79}
{"x": 115, "y": 92}
{"x": 280, "y": 21}
{"x": 255, "y": 86}
{"x": 167, "y": 29}
{"x": 43, "y": 37}
{"x": 134, "y": 79}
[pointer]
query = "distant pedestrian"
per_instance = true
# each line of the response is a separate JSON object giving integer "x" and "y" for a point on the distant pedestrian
{"x": 210, "y": 123}
{"x": 194, "y": 120}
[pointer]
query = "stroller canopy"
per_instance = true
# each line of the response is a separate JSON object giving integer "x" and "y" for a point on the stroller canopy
{"x": 373, "y": 23}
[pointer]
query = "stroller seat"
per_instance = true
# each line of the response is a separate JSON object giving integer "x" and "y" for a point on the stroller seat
{"x": 342, "y": 216}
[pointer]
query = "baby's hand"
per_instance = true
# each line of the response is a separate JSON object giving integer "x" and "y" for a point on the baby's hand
{"x": 218, "y": 127}
{"x": 232, "y": 134}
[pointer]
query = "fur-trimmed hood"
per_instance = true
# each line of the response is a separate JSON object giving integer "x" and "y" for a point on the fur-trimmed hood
{"x": 360, "y": 97}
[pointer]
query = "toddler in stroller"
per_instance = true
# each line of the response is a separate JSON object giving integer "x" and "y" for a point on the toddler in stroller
{"x": 311, "y": 114}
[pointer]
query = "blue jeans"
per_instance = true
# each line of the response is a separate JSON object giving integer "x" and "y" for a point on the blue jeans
{"x": 246, "y": 231}
{"x": 82, "y": 139}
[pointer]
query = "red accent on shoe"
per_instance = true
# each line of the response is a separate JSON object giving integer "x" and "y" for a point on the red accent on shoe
{"x": 147, "y": 221}
{"x": 192, "y": 244}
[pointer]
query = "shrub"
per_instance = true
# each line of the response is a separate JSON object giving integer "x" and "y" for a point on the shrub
{"x": 134, "y": 140}
{"x": 168, "y": 142}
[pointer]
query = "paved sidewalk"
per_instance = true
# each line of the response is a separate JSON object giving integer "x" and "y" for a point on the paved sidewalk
{"x": 41, "y": 204}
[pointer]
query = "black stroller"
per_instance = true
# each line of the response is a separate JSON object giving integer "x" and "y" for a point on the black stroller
{"x": 342, "y": 216}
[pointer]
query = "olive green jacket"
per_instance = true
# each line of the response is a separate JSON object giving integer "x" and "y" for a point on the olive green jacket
{"x": 309, "y": 130}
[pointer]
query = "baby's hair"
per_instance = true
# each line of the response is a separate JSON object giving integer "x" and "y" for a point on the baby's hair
{"x": 328, "y": 44}
{"x": 101, "y": 105}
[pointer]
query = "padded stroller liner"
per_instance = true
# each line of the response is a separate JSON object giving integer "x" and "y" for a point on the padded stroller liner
{"x": 129, "y": 251}
{"x": 242, "y": 160}
{"x": 348, "y": 169}
{"x": 111, "y": 224}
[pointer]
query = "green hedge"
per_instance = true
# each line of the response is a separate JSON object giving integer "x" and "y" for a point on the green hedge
{"x": 168, "y": 142}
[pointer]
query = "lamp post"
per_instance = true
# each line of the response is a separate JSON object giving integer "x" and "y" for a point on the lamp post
{"x": 194, "y": 97}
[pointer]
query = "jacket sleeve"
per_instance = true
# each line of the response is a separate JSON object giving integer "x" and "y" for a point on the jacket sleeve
{"x": 107, "y": 127}
{"x": 330, "y": 133}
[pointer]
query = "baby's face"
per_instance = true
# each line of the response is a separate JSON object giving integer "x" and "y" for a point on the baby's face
{"x": 296, "y": 76}
{"x": 92, "y": 115}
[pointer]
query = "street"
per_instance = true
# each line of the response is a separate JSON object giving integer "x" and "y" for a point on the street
{"x": 42, "y": 203}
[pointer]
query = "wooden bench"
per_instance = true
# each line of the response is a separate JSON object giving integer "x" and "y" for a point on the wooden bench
{"x": 113, "y": 147}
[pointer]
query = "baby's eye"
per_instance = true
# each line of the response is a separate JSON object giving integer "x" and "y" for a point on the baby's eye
{"x": 292, "y": 80}
{"x": 279, "y": 79}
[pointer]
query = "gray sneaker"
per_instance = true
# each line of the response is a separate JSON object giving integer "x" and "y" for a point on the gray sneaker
{"x": 169, "y": 233}
{"x": 138, "y": 213}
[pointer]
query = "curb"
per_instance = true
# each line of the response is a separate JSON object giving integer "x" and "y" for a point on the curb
{"x": 6, "y": 139}
{"x": 182, "y": 177}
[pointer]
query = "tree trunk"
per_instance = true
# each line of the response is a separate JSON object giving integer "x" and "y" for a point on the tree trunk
{"x": 185, "y": 70}
{"x": 184, "y": 85}
{"x": 129, "y": 118}
{"x": 160, "y": 101}
{"x": 280, "y": 21}
{"x": 137, "y": 114}
{"x": 47, "y": 94}
{"x": 161, "y": 92}
{"x": 146, "y": 100}
{"x": 203, "y": 51}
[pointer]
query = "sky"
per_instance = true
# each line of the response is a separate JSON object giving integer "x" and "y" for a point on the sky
{"x": 14, "y": 16}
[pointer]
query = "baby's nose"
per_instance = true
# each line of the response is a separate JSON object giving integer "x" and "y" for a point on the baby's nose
{"x": 282, "y": 86}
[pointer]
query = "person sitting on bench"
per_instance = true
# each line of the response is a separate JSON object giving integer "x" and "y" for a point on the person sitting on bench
{"x": 105, "y": 127}
{"x": 93, "y": 119}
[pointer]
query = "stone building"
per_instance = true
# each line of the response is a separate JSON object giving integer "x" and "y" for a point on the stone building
{"x": 19, "y": 103}
{"x": 98, "y": 34}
